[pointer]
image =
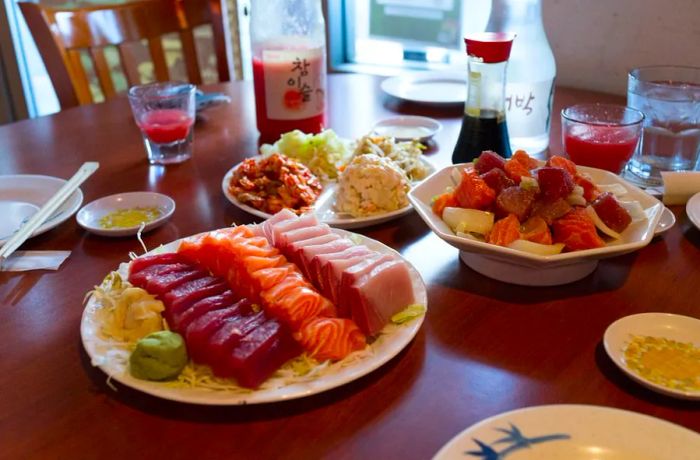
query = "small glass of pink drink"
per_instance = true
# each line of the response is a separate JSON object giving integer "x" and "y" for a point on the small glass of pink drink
{"x": 602, "y": 136}
{"x": 165, "y": 113}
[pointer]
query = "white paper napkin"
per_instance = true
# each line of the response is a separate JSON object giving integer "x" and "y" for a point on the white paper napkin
{"x": 680, "y": 186}
{"x": 21, "y": 261}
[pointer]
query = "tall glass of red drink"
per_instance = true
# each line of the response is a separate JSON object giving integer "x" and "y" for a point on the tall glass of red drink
{"x": 602, "y": 136}
{"x": 165, "y": 114}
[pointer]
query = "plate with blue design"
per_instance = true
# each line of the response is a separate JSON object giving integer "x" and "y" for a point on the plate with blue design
{"x": 572, "y": 432}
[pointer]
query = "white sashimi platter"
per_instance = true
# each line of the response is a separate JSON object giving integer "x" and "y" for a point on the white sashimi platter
{"x": 109, "y": 357}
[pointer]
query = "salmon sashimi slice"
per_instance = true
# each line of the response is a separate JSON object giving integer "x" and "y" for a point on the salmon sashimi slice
{"x": 504, "y": 231}
{"x": 259, "y": 354}
{"x": 266, "y": 278}
{"x": 142, "y": 262}
{"x": 297, "y": 305}
{"x": 330, "y": 338}
{"x": 577, "y": 231}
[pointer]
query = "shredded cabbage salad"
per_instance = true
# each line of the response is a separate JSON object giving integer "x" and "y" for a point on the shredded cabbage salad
{"x": 323, "y": 153}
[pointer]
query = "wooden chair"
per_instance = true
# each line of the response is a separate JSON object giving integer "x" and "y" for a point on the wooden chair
{"x": 61, "y": 34}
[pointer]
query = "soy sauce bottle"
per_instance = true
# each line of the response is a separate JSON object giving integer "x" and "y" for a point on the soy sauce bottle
{"x": 484, "y": 123}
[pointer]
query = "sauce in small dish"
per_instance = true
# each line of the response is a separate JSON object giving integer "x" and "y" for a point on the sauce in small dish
{"x": 124, "y": 213}
{"x": 407, "y": 128}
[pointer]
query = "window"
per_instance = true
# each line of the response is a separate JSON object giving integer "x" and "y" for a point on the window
{"x": 385, "y": 36}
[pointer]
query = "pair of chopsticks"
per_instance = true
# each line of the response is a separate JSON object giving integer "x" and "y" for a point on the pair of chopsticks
{"x": 27, "y": 230}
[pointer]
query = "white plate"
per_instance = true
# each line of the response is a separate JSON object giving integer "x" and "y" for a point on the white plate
{"x": 692, "y": 208}
{"x": 667, "y": 325}
{"x": 408, "y": 127}
{"x": 428, "y": 87}
{"x": 667, "y": 221}
{"x": 89, "y": 217}
{"x": 390, "y": 342}
{"x": 516, "y": 267}
{"x": 572, "y": 432}
{"x": 22, "y": 195}
{"x": 323, "y": 208}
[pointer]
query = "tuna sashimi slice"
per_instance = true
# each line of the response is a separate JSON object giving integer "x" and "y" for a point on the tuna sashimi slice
{"x": 379, "y": 294}
{"x": 180, "y": 320}
{"x": 318, "y": 263}
{"x": 198, "y": 333}
{"x": 307, "y": 253}
{"x": 223, "y": 341}
{"x": 259, "y": 354}
{"x": 301, "y": 234}
{"x": 142, "y": 262}
{"x": 293, "y": 250}
{"x": 188, "y": 293}
{"x": 143, "y": 276}
{"x": 160, "y": 285}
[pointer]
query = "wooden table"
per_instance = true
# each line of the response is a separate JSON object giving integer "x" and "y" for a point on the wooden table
{"x": 485, "y": 347}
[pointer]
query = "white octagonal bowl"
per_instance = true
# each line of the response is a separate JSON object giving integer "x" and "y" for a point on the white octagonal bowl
{"x": 528, "y": 269}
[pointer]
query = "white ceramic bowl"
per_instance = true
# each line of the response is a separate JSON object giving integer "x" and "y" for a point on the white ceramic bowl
{"x": 408, "y": 127}
{"x": 89, "y": 216}
{"x": 527, "y": 269}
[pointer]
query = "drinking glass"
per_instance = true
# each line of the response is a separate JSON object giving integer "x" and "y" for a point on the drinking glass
{"x": 669, "y": 96}
{"x": 603, "y": 136}
{"x": 165, "y": 113}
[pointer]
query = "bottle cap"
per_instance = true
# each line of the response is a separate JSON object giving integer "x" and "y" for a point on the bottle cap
{"x": 490, "y": 46}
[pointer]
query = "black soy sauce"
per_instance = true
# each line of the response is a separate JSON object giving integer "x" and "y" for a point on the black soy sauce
{"x": 479, "y": 134}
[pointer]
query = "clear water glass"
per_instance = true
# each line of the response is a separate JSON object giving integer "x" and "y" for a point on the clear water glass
{"x": 669, "y": 96}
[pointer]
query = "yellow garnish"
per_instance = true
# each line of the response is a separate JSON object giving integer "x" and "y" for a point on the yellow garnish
{"x": 131, "y": 217}
{"x": 665, "y": 362}
{"x": 408, "y": 313}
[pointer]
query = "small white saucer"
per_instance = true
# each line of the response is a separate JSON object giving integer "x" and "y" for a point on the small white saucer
{"x": 666, "y": 325}
{"x": 408, "y": 127}
{"x": 89, "y": 217}
{"x": 692, "y": 208}
{"x": 668, "y": 220}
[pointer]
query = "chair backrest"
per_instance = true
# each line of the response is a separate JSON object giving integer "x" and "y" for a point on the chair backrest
{"x": 61, "y": 34}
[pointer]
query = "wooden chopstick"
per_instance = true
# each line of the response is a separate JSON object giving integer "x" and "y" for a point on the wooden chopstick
{"x": 40, "y": 217}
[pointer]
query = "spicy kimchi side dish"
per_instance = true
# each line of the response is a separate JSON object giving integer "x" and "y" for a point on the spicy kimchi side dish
{"x": 520, "y": 204}
{"x": 274, "y": 183}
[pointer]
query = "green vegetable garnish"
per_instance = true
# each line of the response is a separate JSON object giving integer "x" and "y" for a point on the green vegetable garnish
{"x": 412, "y": 311}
